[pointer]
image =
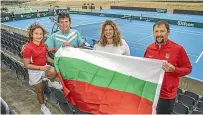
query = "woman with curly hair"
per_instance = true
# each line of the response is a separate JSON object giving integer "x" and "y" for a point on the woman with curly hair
{"x": 111, "y": 40}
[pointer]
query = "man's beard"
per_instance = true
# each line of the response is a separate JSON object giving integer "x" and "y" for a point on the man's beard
{"x": 159, "y": 42}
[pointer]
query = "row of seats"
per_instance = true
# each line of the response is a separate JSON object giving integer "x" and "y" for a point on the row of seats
{"x": 5, "y": 109}
{"x": 19, "y": 41}
{"x": 57, "y": 96}
{"x": 12, "y": 41}
{"x": 10, "y": 46}
{"x": 188, "y": 103}
{"x": 12, "y": 34}
{"x": 14, "y": 66}
{"x": 190, "y": 94}
{"x": 180, "y": 108}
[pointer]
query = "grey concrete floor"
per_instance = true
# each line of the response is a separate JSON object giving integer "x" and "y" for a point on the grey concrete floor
{"x": 20, "y": 97}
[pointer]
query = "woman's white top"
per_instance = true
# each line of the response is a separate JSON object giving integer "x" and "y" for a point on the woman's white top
{"x": 120, "y": 49}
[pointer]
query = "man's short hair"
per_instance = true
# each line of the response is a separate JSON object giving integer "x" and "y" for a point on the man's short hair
{"x": 64, "y": 15}
{"x": 160, "y": 23}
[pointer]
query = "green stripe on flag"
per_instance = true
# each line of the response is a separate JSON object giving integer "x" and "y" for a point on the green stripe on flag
{"x": 79, "y": 70}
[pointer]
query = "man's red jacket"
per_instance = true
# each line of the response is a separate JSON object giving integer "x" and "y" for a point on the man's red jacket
{"x": 176, "y": 55}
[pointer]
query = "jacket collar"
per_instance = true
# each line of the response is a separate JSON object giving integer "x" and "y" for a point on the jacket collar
{"x": 167, "y": 44}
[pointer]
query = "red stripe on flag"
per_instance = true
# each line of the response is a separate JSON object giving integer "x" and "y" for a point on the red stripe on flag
{"x": 66, "y": 91}
{"x": 97, "y": 100}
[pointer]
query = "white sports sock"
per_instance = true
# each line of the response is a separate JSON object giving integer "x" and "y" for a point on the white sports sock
{"x": 43, "y": 105}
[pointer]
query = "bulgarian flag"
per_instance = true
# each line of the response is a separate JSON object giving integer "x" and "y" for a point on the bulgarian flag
{"x": 104, "y": 83}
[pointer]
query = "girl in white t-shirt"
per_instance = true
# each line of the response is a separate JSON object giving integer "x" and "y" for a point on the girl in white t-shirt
{"x": 111, "y": 40}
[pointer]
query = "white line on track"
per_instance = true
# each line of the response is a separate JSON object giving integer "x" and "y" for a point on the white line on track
{"x": 142, "y": 39}
{"x": 45, "y": 22}
{"x": 173, "y": 29}
{"x": 199, "y": 57}
{"x": 42, "y": 20}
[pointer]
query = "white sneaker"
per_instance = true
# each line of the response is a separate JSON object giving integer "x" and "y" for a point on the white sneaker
{"x": 55, "y": 84}
{"x": 45, "y": 110}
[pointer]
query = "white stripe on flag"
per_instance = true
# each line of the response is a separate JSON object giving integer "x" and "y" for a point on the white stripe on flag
{"x": 144, "y": 69}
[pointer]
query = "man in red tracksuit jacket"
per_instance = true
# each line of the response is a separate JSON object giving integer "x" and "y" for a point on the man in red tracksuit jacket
{"x": 177, "y": 65}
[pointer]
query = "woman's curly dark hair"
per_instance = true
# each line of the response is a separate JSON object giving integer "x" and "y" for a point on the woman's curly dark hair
{"x": 117, "y": 38}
